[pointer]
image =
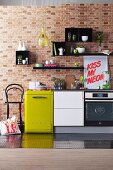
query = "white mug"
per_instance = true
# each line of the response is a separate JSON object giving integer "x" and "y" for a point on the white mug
{"x": 23, "y": 61}
{"x": 84, "y": 38}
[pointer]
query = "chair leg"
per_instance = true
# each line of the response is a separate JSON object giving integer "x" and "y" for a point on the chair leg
{"x": 21, "y": 123}
{"x": 7, "y": 110}
{"x": 20, "y": 114}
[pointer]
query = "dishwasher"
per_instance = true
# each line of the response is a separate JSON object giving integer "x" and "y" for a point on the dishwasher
{"x": 38, "y": 111}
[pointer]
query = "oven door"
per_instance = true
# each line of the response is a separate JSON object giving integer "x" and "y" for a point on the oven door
{"x": 98, "y": 112}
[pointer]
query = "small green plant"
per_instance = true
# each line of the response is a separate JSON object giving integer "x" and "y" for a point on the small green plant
{"x": 55, "y": 80}
{"x": 58, "y": 82}
{"x": 20, "y": 57}
{"x": 80, "y": 46}
{"x": 99, "y": 37}
{"x": 81, "y": 79}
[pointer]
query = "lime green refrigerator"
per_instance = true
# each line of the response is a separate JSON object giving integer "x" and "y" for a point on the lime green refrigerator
{"x": 38, "y": 111}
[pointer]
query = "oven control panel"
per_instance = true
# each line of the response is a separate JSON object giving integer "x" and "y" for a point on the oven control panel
{"x": 99, "y": 95}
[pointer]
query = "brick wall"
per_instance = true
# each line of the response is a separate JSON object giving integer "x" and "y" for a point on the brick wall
{"x": 24, "y": 23}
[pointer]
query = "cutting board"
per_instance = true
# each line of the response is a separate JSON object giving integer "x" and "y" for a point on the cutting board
{"x": 69, "y": 80}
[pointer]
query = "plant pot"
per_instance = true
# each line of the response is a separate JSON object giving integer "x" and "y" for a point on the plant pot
{"x": 80, "y": 49}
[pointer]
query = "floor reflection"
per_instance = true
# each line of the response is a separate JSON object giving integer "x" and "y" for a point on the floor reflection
{"x": 10, "y": 141}
{"x": 37, "y": 140}
{"x": 58, "y": 141}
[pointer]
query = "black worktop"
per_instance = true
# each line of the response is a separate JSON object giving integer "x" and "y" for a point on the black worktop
{"x": 90, "y": 90}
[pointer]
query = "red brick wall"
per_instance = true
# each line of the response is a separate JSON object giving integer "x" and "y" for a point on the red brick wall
{"x": 24, "y": 23}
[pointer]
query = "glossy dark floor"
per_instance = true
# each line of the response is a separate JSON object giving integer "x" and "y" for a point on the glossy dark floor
{"x": 62, "y": 141}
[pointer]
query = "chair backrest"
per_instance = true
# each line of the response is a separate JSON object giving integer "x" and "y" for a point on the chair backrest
{"x": 14, "y": 93}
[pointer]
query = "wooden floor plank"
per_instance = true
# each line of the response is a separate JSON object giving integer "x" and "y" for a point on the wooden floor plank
{"x": 56, "y": 159}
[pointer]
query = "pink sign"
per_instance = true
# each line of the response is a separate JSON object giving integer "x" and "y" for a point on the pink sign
{"x": 94, "y": 68}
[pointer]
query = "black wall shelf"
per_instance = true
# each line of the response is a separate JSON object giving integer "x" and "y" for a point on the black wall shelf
{"x": 56, "y": 46}
{"x": 22, "y": 57}
{"x": 72, "y": 36}
{"x": 66, "y": 68}
{"x": 83, "y": 54}
{"x": 75, "y": 34}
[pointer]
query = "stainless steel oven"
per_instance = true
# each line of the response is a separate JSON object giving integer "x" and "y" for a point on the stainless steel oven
{"x": 98, "y": 108}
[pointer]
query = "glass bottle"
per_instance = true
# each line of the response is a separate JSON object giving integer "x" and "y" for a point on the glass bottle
{"x": 74, "y": 37}
{"x": 69, "y": 36}
{"x": 26, "y": 60}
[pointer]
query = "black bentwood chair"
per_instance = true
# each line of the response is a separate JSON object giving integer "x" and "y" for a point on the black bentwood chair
{"x": 14, "y": 95}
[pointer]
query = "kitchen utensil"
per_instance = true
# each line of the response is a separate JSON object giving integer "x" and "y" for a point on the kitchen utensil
{"x": 61, "y": 50}
{"x": 75, "y": 85}
{"x": 54, "y": 47}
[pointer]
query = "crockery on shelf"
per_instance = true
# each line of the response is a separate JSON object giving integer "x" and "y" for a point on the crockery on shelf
{"x": 84, "y": 38}
{"x": 80, "y": 49}
{"x": 38, "y": 65}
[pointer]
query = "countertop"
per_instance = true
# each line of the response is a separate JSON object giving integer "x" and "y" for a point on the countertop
{"x": 50, "y": 91}
{"x": 97, "y": 90}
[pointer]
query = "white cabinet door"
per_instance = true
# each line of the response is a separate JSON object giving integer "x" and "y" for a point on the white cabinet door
{"x": 68, "y": 99}
{"x": 68, "y": 117}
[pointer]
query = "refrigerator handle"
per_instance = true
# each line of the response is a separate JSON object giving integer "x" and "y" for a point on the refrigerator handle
{"x": 39, "y": 97}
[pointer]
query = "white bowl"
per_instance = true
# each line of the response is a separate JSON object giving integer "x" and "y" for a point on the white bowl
{"x": 80, "y": 49}
{"x": 84, "y": 38}
{"x": 38, "y": 65}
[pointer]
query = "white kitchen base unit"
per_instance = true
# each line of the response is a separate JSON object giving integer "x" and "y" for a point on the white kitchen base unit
{"x": 68, "y": 99}
{"x": 68, "y": 117}
{"x": 68, "y": 108}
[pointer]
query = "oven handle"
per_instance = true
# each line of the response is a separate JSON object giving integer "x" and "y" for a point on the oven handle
{"x": 98, "y": 100}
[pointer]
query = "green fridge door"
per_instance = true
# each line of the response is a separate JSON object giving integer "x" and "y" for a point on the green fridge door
{"x": 38, "y": 113}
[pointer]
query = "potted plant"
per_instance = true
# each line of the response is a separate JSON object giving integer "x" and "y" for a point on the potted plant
{"x": 80, "y": 48}
{"x": 58, "y": 83}
{"x": 99, "y": 39}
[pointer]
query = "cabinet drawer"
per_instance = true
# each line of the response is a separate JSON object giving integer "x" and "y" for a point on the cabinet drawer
{"x": 68, "y": 99}
{"x": 68, "y": 117}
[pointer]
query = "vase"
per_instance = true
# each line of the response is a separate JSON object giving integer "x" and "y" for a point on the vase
{"x": 19, "y": 46}
{"x": 24, "y": 47}
{"x": 99, "y": 49}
